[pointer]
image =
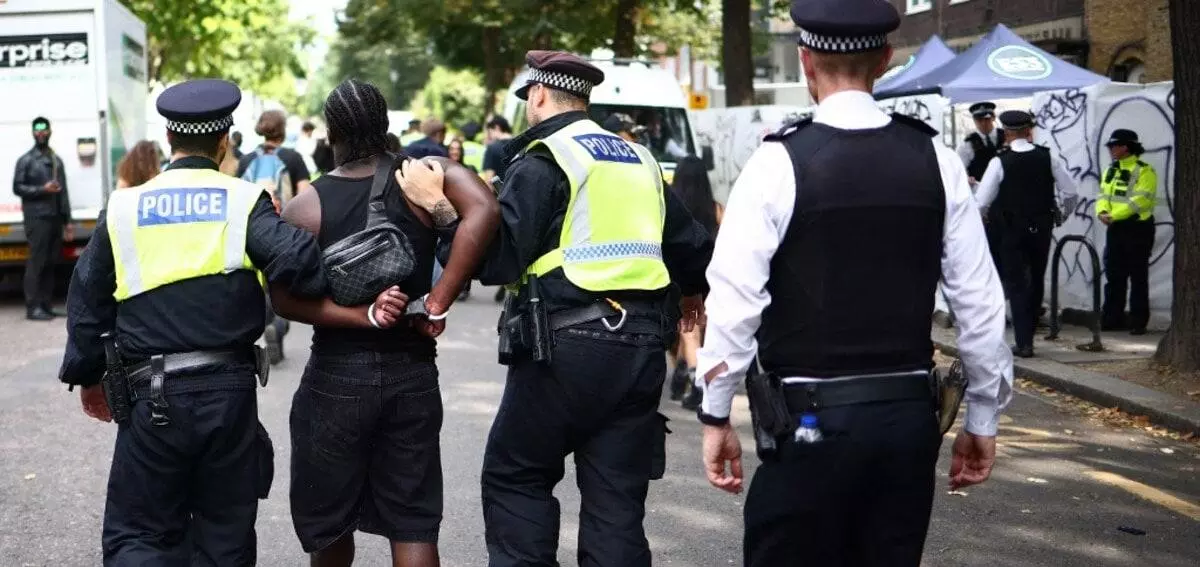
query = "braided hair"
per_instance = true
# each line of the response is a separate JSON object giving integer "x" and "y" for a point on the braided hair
{"x": 356, "y": 116}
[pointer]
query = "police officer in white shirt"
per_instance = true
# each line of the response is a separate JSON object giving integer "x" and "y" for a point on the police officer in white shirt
{"x": 1018, "y": 193}
{"x": 826, "y": 270}
{"x": 980, "y": 146}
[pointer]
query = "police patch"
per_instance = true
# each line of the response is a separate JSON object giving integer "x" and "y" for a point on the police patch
{"x": 604, "y": 147}
{"x": 178, "y": 206}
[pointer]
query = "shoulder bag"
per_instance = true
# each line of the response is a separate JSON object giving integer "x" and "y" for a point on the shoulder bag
{"x": 362, "y": 265}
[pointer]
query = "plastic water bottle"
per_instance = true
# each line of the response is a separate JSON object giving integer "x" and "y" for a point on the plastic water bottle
{"x": 808, "y": 431}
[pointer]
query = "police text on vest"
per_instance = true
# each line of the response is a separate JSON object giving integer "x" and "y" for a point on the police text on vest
{"x": 177, "y": 206}
{"x": 604, "y": 147}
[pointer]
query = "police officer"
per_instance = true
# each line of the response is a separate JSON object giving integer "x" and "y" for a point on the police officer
{"x": 980, "y": 146}
{"x": 590, "y": 234}
{"x": 472, "y": 150}
{"x": 1018, "y": 193}
{"x": 172, "y": 269}
{"x": 1128, "y": 193}
{"x": 842, "y": 317}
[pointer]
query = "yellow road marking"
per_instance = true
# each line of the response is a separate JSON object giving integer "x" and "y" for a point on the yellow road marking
{"x": 1147, "y": 492}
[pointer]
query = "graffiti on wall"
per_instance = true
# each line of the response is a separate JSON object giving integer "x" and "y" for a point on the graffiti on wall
{"x": 1075, "y": 125}
{"x": 734, "y": 134}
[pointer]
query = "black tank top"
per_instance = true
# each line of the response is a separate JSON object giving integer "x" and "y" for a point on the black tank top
{"x": 344, "y": 212}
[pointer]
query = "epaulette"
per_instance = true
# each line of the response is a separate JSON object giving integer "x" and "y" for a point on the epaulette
{"x": 1141, "y": 163}
{"x": 788, "y": 129}
{"x": 913, "y": 122}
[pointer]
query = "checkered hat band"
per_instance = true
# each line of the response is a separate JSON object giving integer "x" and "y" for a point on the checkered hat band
{"x": 210, "y": 127}
{"x": 562, "y": 82}
{"x": 836, "y": 44}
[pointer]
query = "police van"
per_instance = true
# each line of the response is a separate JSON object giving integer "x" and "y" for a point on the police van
{"x": 648, "y": 94}
{"x": 82, "y": 65}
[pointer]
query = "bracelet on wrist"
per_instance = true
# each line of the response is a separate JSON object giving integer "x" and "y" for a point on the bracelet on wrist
{"x": 371, "y": 317}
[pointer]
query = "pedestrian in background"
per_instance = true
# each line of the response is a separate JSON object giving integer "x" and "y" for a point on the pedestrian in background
{"x": 236, "y": 141}
{"x": 41, "y": 182}
{"x": 412, "y": 133}
{"x": 138, "y": 166}
{"x": 692, "y": 187}
{"x": 1017, "y": 193}
{"x": 472, "y": 151}
{"x": 495, "y": 161}
{"x": 456, "y": 151}
{"x": 1128, "y": 195}
{"x": 433, "y": 144}
{"x": 841, "y": 317}
{"x": 367, "y": 416}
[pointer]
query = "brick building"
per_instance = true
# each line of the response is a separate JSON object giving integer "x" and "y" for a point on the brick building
{"x": 1056, "y": 26}
{"x": 1127, "y": 40}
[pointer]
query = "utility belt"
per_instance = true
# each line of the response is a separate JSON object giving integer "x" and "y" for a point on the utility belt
{"x": 528, "y": 330}
{"x": 155, "y": 378}
{"x": 774, "y": 404}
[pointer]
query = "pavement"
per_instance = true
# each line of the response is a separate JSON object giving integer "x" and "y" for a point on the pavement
{"x": 1056, "y": 365}
{"x": 1063, "y": 484}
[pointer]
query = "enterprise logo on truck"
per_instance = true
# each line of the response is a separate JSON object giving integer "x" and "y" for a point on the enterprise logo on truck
{"x": 48, "y": 50}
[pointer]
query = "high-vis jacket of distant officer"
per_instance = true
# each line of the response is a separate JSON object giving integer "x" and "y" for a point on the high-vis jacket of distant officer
{"x": 612, "y": 233}
{"x": 473, "y": 154}
{"x": 1128, "y": 189}
{"x": 183, "y": 224}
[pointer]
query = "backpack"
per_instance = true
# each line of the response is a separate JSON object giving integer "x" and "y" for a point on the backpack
{"x": 268, "y": 171}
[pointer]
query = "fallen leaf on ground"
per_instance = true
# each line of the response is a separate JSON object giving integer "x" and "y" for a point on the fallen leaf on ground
{"x": 30, "y": 476}
{"x": 1141, "y": 419}
{"x": 1068, "y": 432}
{"x": 1167, "y": 450}
{"x": 1194, "y": 393}
{"x": 1036, "y": 480}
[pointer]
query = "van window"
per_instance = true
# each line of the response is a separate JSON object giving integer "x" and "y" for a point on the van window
{"x": 667, "y": 133}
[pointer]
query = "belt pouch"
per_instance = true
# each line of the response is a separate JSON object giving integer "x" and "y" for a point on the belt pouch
{"x": 158, "y": 400}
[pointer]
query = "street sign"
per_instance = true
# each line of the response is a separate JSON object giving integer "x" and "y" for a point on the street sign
{"x": 698, "y": 101}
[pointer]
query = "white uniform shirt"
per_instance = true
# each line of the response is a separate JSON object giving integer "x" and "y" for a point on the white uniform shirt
{"x": 989, "y": 186}
{"x": 966, "y": 151}
{"x": 756, "y": 218}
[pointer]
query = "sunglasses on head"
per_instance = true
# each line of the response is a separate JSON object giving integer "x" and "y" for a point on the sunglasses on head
{"x": 41, "y": 127}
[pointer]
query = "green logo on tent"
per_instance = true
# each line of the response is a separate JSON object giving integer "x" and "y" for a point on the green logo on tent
{"x": 1019, "y": 62}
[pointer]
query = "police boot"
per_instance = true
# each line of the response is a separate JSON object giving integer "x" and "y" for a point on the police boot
{"x": 38, "y": 313}
{"x": 274, "y": 339}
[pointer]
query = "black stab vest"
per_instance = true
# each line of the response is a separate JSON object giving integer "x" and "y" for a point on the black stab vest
{"x": 852, "y": 283}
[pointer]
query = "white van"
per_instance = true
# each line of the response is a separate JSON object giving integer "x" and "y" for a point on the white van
{"x": 82, "y": 65}
{"x": 648, "y": 94}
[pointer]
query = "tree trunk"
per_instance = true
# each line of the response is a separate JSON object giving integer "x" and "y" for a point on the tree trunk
{"x": 492, "y": 72}
{"x": 626, "y": 32}
{"x": 1180, "y": 348}
{"x": 737, "y": 56}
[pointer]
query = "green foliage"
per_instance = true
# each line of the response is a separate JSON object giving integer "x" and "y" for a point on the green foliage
{"x": 455, "y": 97}
{"x": 249, "y": 42}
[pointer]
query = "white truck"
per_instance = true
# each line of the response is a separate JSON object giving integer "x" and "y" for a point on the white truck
{"x": 650, "y": 95}
{"x": 82, "y": 65}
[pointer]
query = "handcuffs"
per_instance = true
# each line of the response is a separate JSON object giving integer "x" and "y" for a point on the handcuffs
{"x": 415, "y": 308}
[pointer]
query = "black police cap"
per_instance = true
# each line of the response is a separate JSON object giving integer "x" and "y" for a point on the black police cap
{"x": 983, "y": 110}
{"x": 1016, "y": 120}
{"x": 1122, "y": 137}
{"x": 844, "y": 26}
{"x": 203, "y": 106}
{"x": 560, "y": 70}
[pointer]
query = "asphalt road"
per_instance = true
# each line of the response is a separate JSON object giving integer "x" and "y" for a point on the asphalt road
{"x": 1063, "y": 485}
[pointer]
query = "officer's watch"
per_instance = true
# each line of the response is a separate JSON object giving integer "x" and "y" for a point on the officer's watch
{"x": 419, "y": 308}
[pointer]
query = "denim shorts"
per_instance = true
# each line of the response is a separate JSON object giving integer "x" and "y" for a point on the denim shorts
{"x": 366, "y": 453}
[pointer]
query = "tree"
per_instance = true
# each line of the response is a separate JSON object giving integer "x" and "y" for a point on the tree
{"x": 1180, "y": 348}
{"x": 455, "y": 97}
{"x": 737, "y": 53}
{"x": 249, "y": 42}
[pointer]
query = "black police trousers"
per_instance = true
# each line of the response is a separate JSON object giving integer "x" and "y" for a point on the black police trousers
{"x": 1024, "y": 252}
{"x": 597, "y": 399}
{"x": 45, "y": 248}
{"x": 860, "y": 498}
{"x": 186, "y": 493}
{"x": 1127, "y": 267}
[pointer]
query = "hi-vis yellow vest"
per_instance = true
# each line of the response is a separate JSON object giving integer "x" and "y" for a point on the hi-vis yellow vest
{"x": 473, "y": 154}
{"x": 1129, "y": 188}
{"x": 183, "y": 224}
{"x": 612, "y": 233}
